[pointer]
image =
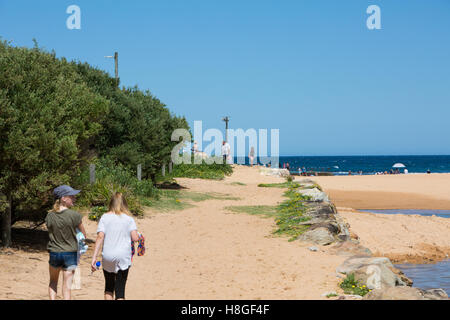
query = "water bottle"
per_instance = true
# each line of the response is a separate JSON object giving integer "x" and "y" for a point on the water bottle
{"x": 98, "y": 264}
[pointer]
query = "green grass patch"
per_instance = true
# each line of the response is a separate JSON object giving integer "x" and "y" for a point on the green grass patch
{"x": 266, "y": 211}
{"x": 196, "y": 196}
{"x": 351, "y": 286}
{"x": 166, "y": 204}
{"x": 238, "y": 183}
{"x": 279, "y": 185}
{"x": 174, "y": 200}
{"x": 288, "y": 215}
{"x": 291, "y": 214}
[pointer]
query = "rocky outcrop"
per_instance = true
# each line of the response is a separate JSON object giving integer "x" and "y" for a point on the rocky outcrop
{"x": 375, "y": 273}
{"x": 321, "y": 236}
{"x": 325, "y": 225}
{"x": 406, "y": 293}
{"x": 350, "y": 248}
{"x": 274, "y": 172}
{"x": 314, "y": 194}
{"x": 434, "y": 294}
{"x": 356, "y": 262}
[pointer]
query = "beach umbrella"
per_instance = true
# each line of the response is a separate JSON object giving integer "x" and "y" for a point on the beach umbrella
{"x": 399, "y": 165}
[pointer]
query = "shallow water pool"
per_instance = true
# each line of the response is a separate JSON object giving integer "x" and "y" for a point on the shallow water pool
{"x": 424, "y": 276}
{"x": 428, "y": 276}
{"x": 428, "y": 213}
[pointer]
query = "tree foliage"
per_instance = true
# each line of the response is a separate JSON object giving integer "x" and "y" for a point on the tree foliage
{"x": 139, "y": 126}
{"x": 49, "y": 119}
{"x": 56, "y": 116}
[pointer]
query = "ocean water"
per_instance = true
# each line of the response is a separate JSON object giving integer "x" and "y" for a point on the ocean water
{"x": 340, "y": 165}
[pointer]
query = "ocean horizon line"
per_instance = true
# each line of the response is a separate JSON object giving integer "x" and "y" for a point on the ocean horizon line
{"x": 371, "y": 155}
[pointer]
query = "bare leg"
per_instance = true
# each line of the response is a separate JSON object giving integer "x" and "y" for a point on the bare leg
{"x": 53, "y": 284}
{"x": 67, "y": 284}
{"x": 109, "y": 296}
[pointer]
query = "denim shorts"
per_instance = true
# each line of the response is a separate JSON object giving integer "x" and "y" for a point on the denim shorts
{"x": 65, "y": 260}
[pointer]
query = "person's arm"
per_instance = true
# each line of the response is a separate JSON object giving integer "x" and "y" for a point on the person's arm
{"x": 98, "y": 244}
{"x": 134, "y": 236}
{"x": 132, "y": 228}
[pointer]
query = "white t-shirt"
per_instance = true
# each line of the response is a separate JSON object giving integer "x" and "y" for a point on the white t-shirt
{"x": 226, "y": 149}
{"x": 117, "y": 243}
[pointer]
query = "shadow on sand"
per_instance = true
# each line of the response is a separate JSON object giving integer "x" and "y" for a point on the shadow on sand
{"x": 29, "y": 240}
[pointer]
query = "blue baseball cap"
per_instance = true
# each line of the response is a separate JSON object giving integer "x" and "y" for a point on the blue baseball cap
{"x": 63, "y": 191}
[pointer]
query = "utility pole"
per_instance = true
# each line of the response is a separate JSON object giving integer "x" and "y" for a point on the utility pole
{"x": 116, "y": 65}
{"x": 226, "y": 119}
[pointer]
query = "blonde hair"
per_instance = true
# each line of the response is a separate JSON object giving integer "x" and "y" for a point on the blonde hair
{"x": 118, "y": 204}
{"x": 56, "y": 206}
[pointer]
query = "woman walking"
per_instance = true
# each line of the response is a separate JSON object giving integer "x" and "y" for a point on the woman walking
{"x": 63, "y": 245}
{"x": 116, "y": 229}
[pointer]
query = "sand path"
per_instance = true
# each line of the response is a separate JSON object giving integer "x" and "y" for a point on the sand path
{"x": 199, "y": 253}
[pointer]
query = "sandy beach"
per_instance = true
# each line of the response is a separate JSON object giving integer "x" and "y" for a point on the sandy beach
{"x": 206, "y": 252}
{"x": 411, "y": 191}
{"x": 402, "y": 238}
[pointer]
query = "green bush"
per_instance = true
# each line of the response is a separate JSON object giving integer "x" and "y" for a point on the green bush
{"x": 139, "y": 126}
{"x": 100, "y": 193}
{"x": 113, "y": 177}
{"x": 49, "y": 119}
{"x": 107, "y": 170}
{"x": 97, "y": 212}
{"x": 212, "y": 171}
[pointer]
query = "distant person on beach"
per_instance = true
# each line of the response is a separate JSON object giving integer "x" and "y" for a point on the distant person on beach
{"x": 195, "y": 147}
{"x": 225, "y": 151}
{"x": 428, "y": 171}
{"x": 287, "y": 166}
{"x": 349, "y": 173}
{"x": 251, "y": 155}
{"x": 405, "y": 171}
{"x": 115, "y": 231}
{"x": 62, "y": 224}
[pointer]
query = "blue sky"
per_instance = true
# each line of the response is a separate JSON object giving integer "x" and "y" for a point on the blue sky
{"x": 309, "y": 68}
